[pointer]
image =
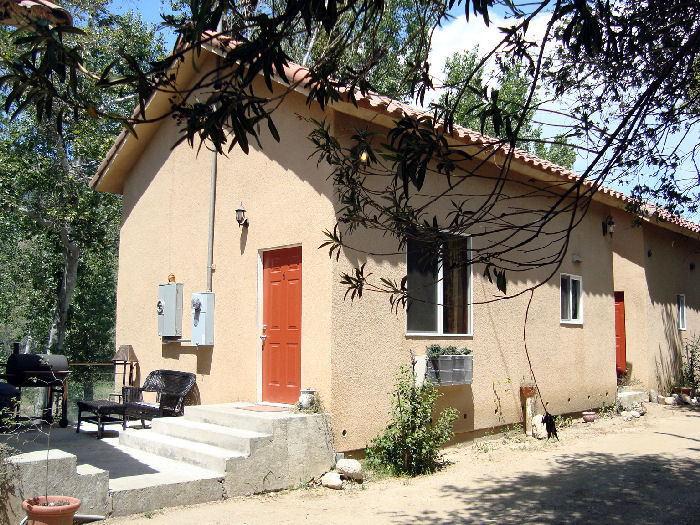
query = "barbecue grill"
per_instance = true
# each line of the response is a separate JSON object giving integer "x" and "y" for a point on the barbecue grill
{"x": 43, "y": 371}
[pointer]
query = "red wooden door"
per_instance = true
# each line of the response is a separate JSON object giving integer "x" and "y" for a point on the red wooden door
{"x": 620, "y": 340}
{"x": 281, "y": 361}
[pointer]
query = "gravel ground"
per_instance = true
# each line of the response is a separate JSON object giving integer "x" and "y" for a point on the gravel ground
{"x": 609, "y": 471}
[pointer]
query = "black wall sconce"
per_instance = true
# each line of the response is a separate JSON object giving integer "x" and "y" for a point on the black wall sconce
{"x": 241, "y": 218}
{"x": 608, "y": 226}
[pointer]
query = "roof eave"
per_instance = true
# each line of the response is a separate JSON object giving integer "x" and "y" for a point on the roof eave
{"x": 383, "y": 110}
{"x": 113, "y": 170}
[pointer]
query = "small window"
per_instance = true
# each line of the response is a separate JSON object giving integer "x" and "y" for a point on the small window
{"x": 680, "y": 299}
{"x": 571, "y": 307}
{"x": 439, "y": 290}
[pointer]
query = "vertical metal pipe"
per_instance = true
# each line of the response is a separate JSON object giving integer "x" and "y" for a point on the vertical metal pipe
{"x": 212, "y": 203}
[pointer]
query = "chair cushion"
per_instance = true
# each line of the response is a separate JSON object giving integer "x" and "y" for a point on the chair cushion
{"x": 143, "y": 404}
{"x": 103, "y": 406}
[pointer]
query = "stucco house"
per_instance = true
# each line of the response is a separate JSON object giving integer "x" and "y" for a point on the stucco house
{"x": 626, "y": 300}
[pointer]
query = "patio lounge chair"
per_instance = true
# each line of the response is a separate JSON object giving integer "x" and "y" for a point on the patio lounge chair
{"x": 170, "y": 386}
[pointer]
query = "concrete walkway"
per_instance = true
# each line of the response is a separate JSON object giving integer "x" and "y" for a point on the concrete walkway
{"x": 211, "y": 453}
{"x": 121, "y": 462}
{"x": 611, "y": 471}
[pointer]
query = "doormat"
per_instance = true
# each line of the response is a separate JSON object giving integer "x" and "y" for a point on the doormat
{"x": 265, "y": 408}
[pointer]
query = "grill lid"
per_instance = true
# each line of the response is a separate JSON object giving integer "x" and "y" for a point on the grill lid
{"x": 36, "y": 369}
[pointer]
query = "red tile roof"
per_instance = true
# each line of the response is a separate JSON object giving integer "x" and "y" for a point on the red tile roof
{"x": 14, "y": 12}
{"x": 393, "y": 108}
{"x": 387, "y": 106}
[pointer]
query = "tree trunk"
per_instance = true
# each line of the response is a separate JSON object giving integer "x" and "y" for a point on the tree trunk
{"x": 309, "y": 49}
{"x": 57, "y": 334}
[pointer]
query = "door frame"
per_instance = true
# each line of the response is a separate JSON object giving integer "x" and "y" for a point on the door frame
{"x": 259, "y": 308}
{"x": 621, "y": 294}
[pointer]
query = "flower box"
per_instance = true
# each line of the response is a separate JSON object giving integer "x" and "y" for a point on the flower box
{"x": 447, "y": 370}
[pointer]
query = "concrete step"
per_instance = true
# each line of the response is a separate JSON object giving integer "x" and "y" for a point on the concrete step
{"x": 228, "y": 415}
{"x": 200, "y": 454}
{"x": 216, "y": 435}
{"x": 147, "y": 492}
{"x": 144, "y": 482}
{"x": 628, "y": 397}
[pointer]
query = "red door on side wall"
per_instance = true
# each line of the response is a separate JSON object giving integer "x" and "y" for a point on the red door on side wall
{"x": 620, "y": 339}
{"x": 281, "y": 349}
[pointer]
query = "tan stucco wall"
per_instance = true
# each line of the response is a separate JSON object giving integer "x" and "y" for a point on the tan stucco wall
{"x": 668, "y": 273}
{"x": 630, "y": 278}
{"x": 351, "y": 350}
{"x": 652, "y": 266}
{"x": 574, "y": 365}
{"x": 164, "y": 230}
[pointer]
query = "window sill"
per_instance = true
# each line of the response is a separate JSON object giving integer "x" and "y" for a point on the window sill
{"x": 572, "y": 323}
{"x": 436, "y": 335}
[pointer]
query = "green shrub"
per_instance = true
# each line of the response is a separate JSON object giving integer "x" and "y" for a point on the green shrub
{"x": 410, "y": 444}
{"x": 433, "y": 351}
{"x": 690, "y": 367}
{"x": 8, "y": 478}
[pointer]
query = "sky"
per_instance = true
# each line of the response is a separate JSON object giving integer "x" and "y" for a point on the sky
{"x": 150, "y": 12}
{"x": 459, "y": 35}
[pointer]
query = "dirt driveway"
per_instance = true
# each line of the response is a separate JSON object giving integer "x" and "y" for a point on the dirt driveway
{"x": 611, "y": 471}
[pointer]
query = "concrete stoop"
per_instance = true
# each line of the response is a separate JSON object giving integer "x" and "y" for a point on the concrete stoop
{"x": 65, "y": 476}
{"x": 213, "y": 452}
{"x": 159, "y": 492}
{"x": 626, "y": 397}
{"x": 251, "y": 451}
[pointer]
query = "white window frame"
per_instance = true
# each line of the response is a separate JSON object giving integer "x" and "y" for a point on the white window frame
{"x": 440, "y": 297}
{"x": 564, "y": 320}
{"x": 681, "y": 310}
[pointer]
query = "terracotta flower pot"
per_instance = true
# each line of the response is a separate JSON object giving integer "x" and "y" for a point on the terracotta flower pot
{"x": 589, "y": 417}
{"x": 39, "y": 514}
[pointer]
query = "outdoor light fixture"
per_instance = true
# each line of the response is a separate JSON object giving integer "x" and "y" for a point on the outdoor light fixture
{"x": 608, "y": 226}
{"x": 241, "y": 218}
{"x": 363, "y": 153}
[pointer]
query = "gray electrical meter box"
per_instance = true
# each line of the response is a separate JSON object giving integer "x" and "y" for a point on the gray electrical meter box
{"x": 203, "y": 318}
{"x": 169, "y": 309}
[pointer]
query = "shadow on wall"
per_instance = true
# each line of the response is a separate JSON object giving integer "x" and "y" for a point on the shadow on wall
{"x": 244, "y": 239}
{"x": 193, "y": 397}
{"x": 668, "y": 359}
{"x": 203, "y": 354}
{"x": 624, "y": 489}
{"x": 460, "y": 397}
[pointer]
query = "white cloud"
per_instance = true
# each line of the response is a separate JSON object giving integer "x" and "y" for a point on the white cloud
{"x": 460, "y": 35}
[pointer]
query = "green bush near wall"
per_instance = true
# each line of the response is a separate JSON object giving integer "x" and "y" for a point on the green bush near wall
{"x": 410, "y": 444}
